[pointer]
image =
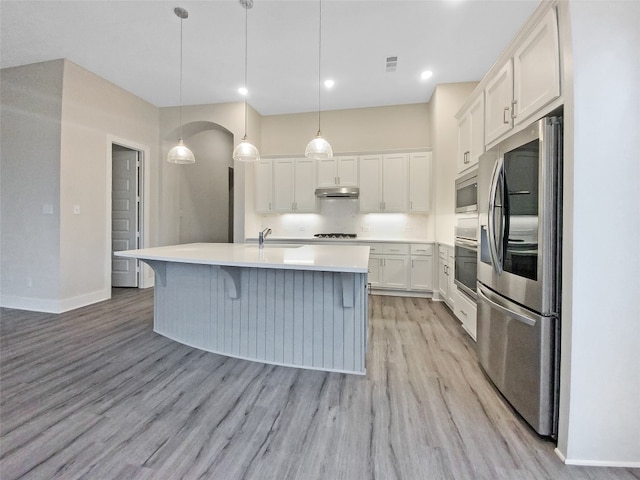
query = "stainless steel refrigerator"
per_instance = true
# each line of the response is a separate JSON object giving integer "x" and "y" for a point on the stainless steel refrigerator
{"x": 519, "y": 270}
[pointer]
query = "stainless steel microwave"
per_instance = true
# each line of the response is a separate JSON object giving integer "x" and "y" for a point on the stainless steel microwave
{"x": 467, "y": 193}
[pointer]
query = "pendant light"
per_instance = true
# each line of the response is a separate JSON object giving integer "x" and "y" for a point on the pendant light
{"x": 246, "y": 151}
{"x": 318, "y": 148}
{"x": 180, "y": 153}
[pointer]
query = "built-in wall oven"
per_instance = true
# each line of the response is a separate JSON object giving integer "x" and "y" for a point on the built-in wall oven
{"x": 466, "y": 254}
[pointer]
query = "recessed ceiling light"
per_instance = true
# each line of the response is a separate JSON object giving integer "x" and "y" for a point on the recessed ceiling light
{"x": 243, "y": 91}
{"x": 426, "y": 74}
{"x": 329, "y": 83}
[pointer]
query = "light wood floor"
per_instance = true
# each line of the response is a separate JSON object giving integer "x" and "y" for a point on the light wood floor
{"x": 95, "y": 394}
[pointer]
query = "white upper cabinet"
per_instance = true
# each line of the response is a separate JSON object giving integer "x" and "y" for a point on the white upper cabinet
{"x": 471, "y": 134}
{"x": 283, "y": 171}
{"x": 338, "y": 171}
{"x": 305, "y": 199}
{"x": 370, "y": 181}
{"x": 536, "y": 69}
{"x": 294, "y": 185}
{"x": 499, "y": 94}
{"x": 263, "y": 186}
{"x": 394, "y": 183}
{"x": 527, "y": 82}
{"x": 420, "y": 182}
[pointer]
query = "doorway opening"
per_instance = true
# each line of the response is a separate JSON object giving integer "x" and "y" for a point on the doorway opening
{"x": 126, "y": 213}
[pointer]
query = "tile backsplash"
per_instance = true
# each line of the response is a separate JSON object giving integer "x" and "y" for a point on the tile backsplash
{"x": 342, "y": 215}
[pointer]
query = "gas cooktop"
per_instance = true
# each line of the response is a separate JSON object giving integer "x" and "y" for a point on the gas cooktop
{"x": 335, "y": 235}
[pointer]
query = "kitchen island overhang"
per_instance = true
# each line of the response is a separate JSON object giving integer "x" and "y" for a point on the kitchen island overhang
{"x": 302, "y": 306}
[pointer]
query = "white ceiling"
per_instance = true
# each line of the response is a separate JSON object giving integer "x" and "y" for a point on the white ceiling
{"x": 135, "y": 44}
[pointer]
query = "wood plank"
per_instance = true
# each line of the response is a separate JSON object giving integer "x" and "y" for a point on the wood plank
{"x": 94, "y": 393}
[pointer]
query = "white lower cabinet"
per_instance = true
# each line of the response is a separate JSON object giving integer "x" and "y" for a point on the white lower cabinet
{"x": 375, "y": 270}
{"x": 401, "y": 267}
{"x": 465, "y": 310}
{"x": 446, "y": 287}
{"x": 421, "y": 270}
{"x": 394, "y": 272}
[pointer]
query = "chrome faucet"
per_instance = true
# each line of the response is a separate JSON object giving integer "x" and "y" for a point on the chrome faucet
{"x": 262, "y": 235}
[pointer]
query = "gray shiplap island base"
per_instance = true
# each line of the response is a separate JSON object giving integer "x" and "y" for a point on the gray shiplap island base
{"x": 298, "y": 306}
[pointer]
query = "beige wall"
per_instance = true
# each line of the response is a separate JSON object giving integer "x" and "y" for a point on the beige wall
{"x": 31, "y": 102}
{"x": 355, "y": 130}
{"x": 92, "y": 110}
{"x": 65, "y": 117}
{"x": 445, "y": 103}
{"x": 197, "y": 119}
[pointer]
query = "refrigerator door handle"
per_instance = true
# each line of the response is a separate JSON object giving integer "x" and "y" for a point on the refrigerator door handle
{"x": 482, "y": 293}
{"x": 491, "y": 230}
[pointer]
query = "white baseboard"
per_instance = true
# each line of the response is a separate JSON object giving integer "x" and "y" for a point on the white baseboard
{"x": 54, "y": 305}
{"x": 400, "y": 293}
{"x": 595, "y": 463}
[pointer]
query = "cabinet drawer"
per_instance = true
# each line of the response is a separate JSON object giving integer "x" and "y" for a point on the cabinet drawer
{"x": 466, "y": 311}
{"x": 374, "y": 248}
{"x": 395, "y": 248}
{"x": 421, "y": 249}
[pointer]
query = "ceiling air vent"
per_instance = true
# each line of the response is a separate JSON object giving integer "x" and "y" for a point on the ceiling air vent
{"x": 392, "y": 63}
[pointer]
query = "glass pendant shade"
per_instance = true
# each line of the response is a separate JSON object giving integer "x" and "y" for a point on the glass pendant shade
{"x": 246, "y": 152}
{"x": 318, "y": 149}
{"x": 181, "y": 154}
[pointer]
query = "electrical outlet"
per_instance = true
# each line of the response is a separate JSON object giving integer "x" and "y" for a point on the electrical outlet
{"x": 76, "y": 209}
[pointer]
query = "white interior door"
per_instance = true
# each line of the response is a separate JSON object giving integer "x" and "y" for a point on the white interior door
{"x": 124, "y": 216}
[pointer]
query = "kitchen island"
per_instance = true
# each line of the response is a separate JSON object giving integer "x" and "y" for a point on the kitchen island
{"x": 296, "y": 305}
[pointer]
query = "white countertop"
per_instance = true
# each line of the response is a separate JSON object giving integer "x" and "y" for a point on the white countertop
{"x": 330, "y": 258}
{"x": 357, "y": 240}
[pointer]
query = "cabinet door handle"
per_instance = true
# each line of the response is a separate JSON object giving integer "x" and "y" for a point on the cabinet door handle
{"x": 411, "y": 204}
{"x": 412, "y": 263}
{"x": 335, "y": 179}
{"x": 269, "y": 205}
{"x": 467, "y": 154}
{"x": 513, "y": 109}
{"x": 463, "y": 313}
{"x": 338, "y": 180}
{"x": 505, "y": 117}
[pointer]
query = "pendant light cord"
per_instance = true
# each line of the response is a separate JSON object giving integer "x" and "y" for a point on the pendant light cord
{"x": 319, "y": 63}
{"x": 181, "y": 21}
{"x": 246, "y": 41}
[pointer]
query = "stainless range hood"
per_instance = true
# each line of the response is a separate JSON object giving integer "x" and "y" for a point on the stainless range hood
{"x": 338, "y": 192}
